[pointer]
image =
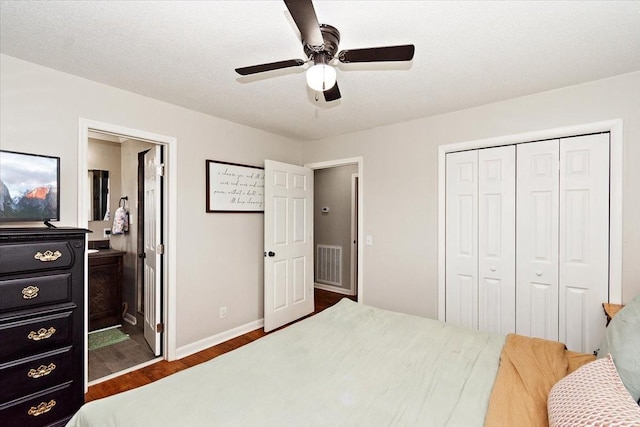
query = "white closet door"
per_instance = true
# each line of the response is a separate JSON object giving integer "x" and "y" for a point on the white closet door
{"x": 461, "y": 300}
{"x": 496, "y": 239}
{"x": 584, "y": 240}
{"x": 537, "y": 242}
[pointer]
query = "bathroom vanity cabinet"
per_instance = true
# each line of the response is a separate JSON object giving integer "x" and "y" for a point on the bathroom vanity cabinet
{"x": 41, "y": 325}
{"x": 105, "y": 288}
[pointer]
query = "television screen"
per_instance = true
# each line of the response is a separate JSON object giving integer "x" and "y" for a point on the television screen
{"x": 29, "y": 186}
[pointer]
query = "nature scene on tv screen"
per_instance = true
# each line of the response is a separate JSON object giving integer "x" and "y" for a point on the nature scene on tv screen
{"x": 28, "y": 187}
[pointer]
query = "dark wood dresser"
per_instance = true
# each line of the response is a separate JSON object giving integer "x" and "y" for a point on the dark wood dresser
{"x": 41, "y": 325}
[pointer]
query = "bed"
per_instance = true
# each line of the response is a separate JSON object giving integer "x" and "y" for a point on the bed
{"x": 354, "y": 365}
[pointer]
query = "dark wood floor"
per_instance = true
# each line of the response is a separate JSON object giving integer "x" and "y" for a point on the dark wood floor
{"x": 148, "y": 374}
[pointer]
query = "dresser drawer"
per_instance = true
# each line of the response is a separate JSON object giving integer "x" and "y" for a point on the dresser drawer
{"x": 36, "y": 335}
{"x": 26, "y": 376}
{"x": 34, "y": 291}
{"x": 39, "y": 409}
{"x": 21, "y": 257}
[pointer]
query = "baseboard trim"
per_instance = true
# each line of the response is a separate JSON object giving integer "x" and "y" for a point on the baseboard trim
{"x": 205, "y": 343}
{"x": 330, "y": 288}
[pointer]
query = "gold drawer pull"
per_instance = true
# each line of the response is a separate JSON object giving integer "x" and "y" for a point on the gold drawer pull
{"x": 47, "y": 256}
{"x": 41, "y": 371}
{"x": 30, "y": 292}
{"x": 42, "y": 334}
{"x": 42, "y": 408}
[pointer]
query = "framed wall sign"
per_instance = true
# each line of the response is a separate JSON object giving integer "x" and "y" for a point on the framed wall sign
{"x": 232, "y": 187}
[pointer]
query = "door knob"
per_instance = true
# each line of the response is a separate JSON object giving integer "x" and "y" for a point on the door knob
{"x": 492, "y": 268}
{"x": 538, "y": 273}
{"x": 270, "y": 253}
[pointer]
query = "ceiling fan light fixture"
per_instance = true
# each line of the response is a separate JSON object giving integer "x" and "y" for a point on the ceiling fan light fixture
{"x": 320, "y": 45}
{"x": 321, "y": 77}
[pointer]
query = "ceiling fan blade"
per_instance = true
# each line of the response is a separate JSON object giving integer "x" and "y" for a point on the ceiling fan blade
{"x": 305, "y": 18}
{"x": 332, "y": 94}
{"x": 245, "y": 71}
{"x": 378, "y": 54}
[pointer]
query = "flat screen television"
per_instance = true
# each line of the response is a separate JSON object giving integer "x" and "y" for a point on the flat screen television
{"x": 29, "y": 187}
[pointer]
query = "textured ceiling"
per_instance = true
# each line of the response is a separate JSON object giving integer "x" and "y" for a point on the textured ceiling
{"x": 467, "y": 54}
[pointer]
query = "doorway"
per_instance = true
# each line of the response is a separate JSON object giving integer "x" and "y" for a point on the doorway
{"x": 117, "y": 339}
{"x": 134, "y": 351}
{"x": 287, "y": 197}
{"x": 354, "y": 186}
{"x": 335, "y": 229}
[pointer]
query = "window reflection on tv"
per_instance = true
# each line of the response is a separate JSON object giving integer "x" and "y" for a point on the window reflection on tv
{"x": 29, "y": 187}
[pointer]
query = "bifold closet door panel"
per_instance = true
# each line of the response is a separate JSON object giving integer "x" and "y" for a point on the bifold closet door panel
{"x": 497, "y": 239}
{"x": 537, "y": 226}
{"x": 461, "y": 306}
{"x": 584, "y": 240}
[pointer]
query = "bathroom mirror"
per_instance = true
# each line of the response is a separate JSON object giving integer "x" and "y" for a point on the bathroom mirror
{"x": 98, "y": 194}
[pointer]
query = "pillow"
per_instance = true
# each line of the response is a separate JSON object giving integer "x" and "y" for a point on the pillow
{"x": 622, "y": 340}
{"x": 593, "y": 395}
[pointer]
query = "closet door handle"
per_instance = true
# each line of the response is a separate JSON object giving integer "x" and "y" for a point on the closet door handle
{"x": 538, "y": 273}
{"x": 492, "y": 268}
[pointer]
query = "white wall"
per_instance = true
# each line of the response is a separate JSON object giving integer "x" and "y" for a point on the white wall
{"x": 219, "y": 256}
{"x": 401, "y": 175}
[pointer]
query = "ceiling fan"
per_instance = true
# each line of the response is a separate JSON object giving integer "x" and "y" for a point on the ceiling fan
{"x": 320, "y": 44}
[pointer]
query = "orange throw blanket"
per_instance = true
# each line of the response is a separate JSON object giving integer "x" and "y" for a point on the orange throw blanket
{"x": 529, "y": 367}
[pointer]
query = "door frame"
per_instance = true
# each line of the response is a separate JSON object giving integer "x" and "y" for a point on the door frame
{"x": 346, "y": 162}
{"x": 614, "y": 127}
{"x": 140, "y": 239}
{"x": 354, "y": 233}
{"x": 169, "y": 225}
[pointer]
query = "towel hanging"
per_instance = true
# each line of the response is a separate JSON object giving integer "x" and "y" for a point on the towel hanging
{"x": 121, "y": 217}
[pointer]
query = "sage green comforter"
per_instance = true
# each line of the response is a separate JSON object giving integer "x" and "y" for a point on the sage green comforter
{"x": 350, "y": 365}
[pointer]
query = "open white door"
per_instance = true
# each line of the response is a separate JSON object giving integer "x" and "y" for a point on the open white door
{"x": 288, "y": 240}
{"x": 153, "y": 248}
